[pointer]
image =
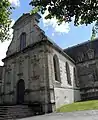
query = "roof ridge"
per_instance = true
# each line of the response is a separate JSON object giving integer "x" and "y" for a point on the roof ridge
{"x": 82, "y": 43}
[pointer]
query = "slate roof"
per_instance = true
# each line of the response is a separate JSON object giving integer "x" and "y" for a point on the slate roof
{"x": 80, "y": 51}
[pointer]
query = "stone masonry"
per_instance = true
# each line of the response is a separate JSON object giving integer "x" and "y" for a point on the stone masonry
{"x": 36, "y": 71}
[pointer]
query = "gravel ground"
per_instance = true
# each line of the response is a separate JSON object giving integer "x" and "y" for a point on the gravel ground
{"x": 80, "y": 115}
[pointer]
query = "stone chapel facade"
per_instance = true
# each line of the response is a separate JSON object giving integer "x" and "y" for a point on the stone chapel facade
{"x": 37, "y": 70}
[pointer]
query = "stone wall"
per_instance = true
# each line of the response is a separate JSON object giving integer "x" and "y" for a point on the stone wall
{"x": 32, "y": 68}
{"x": 26, "y": 24}
{"x": 62, "y": 92}
{"x": 1, "y": 80}
{"x": 33, "y": 64}
{"x": 1, "y": 70}
{"x": 35, "y": 67}
{"x": 88, "y": 78}
{"x": 86, "y": 59}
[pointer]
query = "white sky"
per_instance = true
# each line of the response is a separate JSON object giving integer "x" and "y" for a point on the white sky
{"x": 4, "y": 45}
{"x": 15, "y": 2}
{"x": 63, "y": 28}
{"x": 3, "y": 49}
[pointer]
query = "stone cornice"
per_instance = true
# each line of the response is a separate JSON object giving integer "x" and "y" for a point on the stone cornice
{"x": 37, "y": 44}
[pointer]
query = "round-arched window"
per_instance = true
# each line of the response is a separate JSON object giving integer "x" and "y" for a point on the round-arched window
{"x": 56, "y": 68}
{"x": 22, "y": 41}
{"x": 68, "y": 73}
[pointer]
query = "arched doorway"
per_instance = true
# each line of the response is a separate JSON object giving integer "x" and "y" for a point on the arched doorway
{"x": 20, "y": 91}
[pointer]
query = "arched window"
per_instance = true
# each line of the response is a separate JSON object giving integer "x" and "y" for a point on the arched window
{"x": 22, "y": 40}
{"x": 75, "y": 78}
{"x": 68, "y": 74}
{"x": 56, "y": 68}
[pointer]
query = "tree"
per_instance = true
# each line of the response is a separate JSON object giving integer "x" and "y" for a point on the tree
{"x": 94, "y": 31}
{"x": 83, "y": 11}
{"x": 5, "y": 20}
{"x": 93, "y": 36}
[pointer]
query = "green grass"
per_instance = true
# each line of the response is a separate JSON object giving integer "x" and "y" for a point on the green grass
{"x": 79, "y": 106}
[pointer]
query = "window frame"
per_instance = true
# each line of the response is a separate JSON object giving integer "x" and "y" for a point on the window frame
{"x": 22, "y": 40}
{"x": 56, "y": 68}
{"x": 68, "y": 74}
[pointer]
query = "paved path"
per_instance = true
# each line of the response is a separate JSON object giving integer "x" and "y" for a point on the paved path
{"x": 80, "y": 115}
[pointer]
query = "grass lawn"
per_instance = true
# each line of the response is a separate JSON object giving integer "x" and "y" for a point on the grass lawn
{"x": 78, "y": 106}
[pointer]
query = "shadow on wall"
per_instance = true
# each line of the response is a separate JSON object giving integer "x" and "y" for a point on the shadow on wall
{"x": 36, "y": 107}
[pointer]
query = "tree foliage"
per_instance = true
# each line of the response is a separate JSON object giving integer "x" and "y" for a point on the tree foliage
{"x": 94, "y": 31}
{"x": 93, "y": 36}
{"x": 5, "y": 21}
{"x": 83, "y": 11}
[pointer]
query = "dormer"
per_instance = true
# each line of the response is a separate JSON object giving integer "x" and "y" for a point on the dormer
{"x": 25, "y": 32}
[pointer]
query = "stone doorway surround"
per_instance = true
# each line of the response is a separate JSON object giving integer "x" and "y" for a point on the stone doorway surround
{"x": 20, "y": 91}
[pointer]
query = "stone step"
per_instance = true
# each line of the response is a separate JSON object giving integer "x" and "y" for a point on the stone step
{"x": 1, "y": 113}
{"x": 16, "y": 111}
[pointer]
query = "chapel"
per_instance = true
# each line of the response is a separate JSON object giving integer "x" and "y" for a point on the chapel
{"x": 37, "y": 70}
